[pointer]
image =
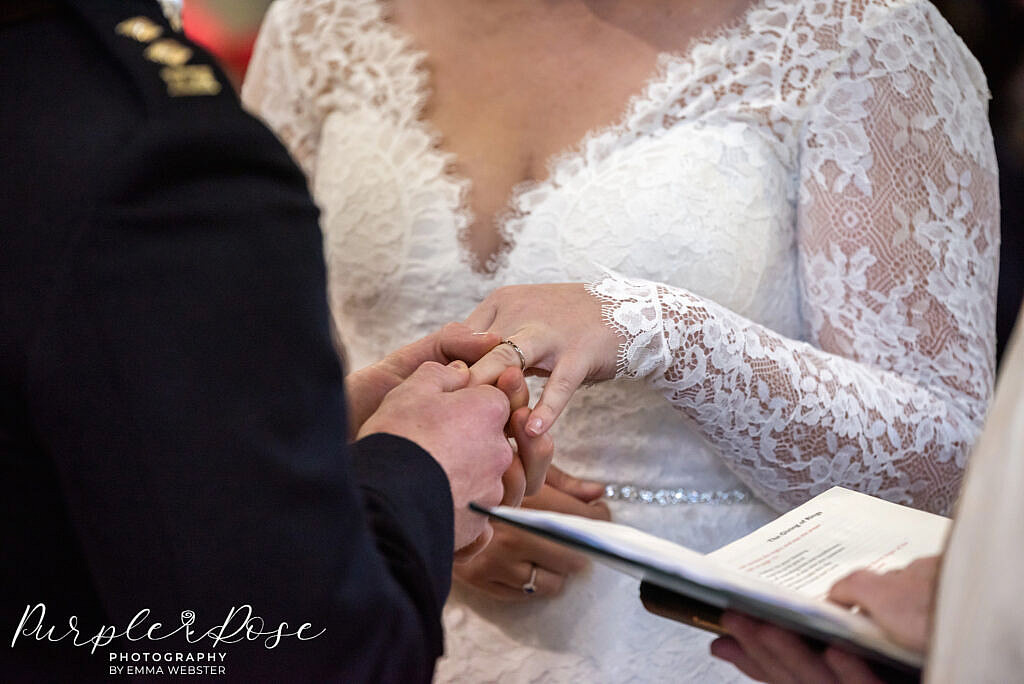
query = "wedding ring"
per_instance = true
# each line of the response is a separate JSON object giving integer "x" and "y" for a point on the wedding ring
{"x": 531, "y": 587}
{"x": 522, "y": 365}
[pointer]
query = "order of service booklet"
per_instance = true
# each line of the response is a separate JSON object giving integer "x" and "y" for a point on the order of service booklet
{"x": 780, "y": 573}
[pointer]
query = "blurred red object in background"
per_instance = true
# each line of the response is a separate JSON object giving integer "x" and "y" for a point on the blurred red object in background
{"x": 227, "y": 28}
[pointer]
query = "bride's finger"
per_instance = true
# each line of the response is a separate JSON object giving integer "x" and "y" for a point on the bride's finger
{"x": 566, "y": 377}
{"x": 468, "y": 552}
{"x": 487, "y": 370}
{"x": 482, "y": 316}
{"x": 457, "y": 341}
{"x": 585, "y": 490}
{"x": 535, "y": 453}
{"x": 545, "y": 582}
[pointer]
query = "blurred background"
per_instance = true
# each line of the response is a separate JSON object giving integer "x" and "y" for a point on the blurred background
{"x": 227, "y": 28}
{"x": 992, "y": 29}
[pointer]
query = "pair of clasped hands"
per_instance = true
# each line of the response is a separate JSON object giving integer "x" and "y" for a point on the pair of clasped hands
{"x": 463, "y": 415}
{"x": 460, "y": 393}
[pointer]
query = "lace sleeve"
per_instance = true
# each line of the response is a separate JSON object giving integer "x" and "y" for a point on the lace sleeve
{"x": 897, "y": 236}
{"x": 274, "y": 87}
{"x": 315, "y": 58}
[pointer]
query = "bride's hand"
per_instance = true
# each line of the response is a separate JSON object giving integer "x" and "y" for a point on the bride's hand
{"x": 559, "y": 331}
{"x": 505, "y": 566}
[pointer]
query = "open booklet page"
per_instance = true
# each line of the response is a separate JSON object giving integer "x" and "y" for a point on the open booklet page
{"x": 813, "y": 546}
{"x": 779, "y": 572}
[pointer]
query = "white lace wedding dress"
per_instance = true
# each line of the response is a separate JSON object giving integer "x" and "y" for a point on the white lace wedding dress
{"x": 803, "y": 211}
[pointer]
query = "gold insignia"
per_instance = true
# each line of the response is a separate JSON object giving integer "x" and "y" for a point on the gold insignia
{"x": 168, "y": 51}
{"x": 190, "y": 79}
{"x": 142, "y": 29}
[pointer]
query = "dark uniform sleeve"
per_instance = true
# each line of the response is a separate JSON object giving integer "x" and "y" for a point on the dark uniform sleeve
{"x": 181, "y": 383}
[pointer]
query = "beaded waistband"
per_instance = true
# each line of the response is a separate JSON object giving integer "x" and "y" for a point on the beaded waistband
{"x": 674, "y": 497}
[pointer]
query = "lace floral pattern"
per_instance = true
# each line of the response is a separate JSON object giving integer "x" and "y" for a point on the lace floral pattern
{"x": 897, "y": 241}
{"x": 331, "y": 75}
{"x": 800, "y": 217}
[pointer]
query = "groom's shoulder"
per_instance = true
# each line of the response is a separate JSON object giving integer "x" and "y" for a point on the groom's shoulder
{"x": 120, "y": 48}
{"x": 90, "y": 86}
{"x": 169, "y": 73}
{"x": 118, "y": 85}
{"x": 107, "y": 105}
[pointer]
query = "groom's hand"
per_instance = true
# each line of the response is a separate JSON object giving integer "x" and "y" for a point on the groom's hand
{"x": 462, "y": 428}
{"x": 367, "y": 387}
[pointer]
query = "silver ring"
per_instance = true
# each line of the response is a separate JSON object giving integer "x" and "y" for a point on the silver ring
{"x": 530, "y": 587}
{"x": 518, "y": 351}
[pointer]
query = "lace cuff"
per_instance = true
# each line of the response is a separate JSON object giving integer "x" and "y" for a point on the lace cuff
{"x": 791, "y": 420}
{"x": 632, "y": 308}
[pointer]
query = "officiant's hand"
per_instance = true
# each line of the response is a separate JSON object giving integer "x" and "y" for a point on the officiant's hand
{"x": 900, "y": 602}
{"x": 463, "y": 428}
{"x": 559, "y": 331}
{"x": 506, "y": 566}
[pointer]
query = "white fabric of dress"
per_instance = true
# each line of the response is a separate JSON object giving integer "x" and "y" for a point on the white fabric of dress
{"x": 800, "y": 215}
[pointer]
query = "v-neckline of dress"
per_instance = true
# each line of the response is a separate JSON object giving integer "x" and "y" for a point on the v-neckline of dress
{"x": 574, "y": 156}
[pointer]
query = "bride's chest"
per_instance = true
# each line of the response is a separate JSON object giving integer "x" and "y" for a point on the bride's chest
{"x": 707, "y": 205}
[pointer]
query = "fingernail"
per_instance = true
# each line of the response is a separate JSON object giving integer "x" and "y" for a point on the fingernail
{"x": 534, "y": 426}
{"x": 458, "y": 365}
{"x": 481, "y": 333}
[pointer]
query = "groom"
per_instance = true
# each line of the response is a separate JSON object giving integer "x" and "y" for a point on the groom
{"x": 178, "y": 493}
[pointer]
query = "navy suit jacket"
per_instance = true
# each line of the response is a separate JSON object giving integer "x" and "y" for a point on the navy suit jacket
{"x": 172, "y": 415}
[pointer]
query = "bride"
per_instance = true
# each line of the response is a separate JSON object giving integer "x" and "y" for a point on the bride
{"x": 795, "y": 199}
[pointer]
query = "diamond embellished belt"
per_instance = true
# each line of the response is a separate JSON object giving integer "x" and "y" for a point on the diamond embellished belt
{"x": 674, "y": 497}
